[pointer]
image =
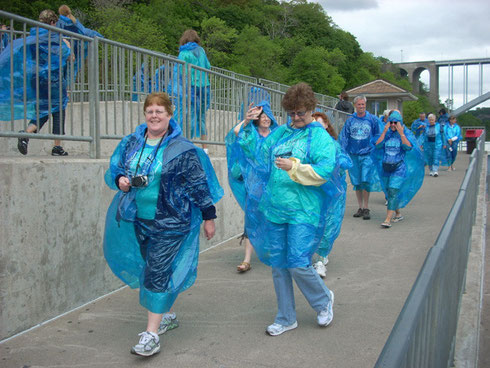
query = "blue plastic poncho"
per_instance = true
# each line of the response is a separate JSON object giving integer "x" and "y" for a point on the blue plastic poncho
{"x": 418, "y": 127}
{"x": 200, "y": 91}
{"x": 256, "y": 94}
{"x": 49, "y": 71}
{"x": 157, "y": 84}
{"x": 357, "y": 138}
{"x": 433, "y": 143}
{"x": 409, "y": 174}
{"x": 314, "y": 212}
{"x": 79, "y": 48}
{"x": 241, "y": 177}
{"x": 160, "y": 254}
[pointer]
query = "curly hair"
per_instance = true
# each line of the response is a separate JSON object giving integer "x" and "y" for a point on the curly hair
{"x": 299, "y": 96}
{"x": 160, "y": 99}
{"x": 189, "y": 36}
{"x": 329, "y": 127}
{"x": 48, "y": 16}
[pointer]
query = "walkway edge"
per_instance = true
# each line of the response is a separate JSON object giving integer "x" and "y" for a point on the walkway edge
{"x": 468, "y": 330}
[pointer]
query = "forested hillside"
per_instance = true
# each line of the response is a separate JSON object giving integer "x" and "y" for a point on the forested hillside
{"x": 284, "y": 41}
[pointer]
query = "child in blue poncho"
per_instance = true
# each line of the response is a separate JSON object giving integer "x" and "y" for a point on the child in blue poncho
{"x": 400, "y": 165}
{"x": 191, "y": 52}
{"x": 167, "y": 187}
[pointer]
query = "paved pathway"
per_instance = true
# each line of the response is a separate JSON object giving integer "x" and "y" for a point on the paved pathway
{"x": 224, "y": 315}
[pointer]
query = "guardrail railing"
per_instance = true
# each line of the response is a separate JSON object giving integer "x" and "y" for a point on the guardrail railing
{"x": 425, "y": 331}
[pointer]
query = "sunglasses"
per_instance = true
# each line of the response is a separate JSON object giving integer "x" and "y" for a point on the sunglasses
{"x": 393, "y": 122}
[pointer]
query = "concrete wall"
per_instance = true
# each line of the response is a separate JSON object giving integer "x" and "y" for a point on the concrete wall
{"x": 52, "y": 213}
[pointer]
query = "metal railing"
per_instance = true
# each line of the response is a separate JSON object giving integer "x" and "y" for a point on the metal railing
{"x": 108, "y": 82}
{"x": 424, "y": 333}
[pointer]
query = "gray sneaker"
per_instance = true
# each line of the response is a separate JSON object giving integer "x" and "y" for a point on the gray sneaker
{"x": 169, "y": 322}
{"x": 325, "y": 317}
{"x": 22, "y": 144}
{"x": 277, "y": 329}
{"x": 149, "y": 344}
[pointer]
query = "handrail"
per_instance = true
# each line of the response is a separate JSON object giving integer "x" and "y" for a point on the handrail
{"x": 424, "y": 333}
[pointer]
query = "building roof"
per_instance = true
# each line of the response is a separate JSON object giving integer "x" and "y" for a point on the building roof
{"x": 381, "y": 89}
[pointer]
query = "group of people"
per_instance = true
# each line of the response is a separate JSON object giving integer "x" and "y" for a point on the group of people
{"x": 439, "y": 139}
{"x": 41, "y": 75}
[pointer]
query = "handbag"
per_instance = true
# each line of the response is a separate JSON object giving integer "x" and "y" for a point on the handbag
{"x": 391, "y": 167}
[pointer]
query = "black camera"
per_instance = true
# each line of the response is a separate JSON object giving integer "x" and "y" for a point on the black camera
{"x": 139, "y": 181}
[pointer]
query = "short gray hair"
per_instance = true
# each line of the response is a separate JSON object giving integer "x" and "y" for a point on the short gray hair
{"x": 360, "y": 97}
{"x": 431, "y": 115}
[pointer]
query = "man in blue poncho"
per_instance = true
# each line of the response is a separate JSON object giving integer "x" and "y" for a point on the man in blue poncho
{"x": 167, "y": 187}
{"x": 418, "y": 127}
{"x": 43, "y": 92}
{"x": 400, "y": 165}
{"x": 295, "y": 214}
{"x": 356, "y": 138}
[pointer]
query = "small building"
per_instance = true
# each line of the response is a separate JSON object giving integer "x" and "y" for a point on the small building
{"x": 381, "y": 95}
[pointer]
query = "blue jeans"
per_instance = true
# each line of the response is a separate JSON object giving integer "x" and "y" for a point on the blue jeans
{"x": 310, "y": 284}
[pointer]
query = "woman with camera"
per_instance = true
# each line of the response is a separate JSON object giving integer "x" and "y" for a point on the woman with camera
{"x": 167, "y": 187}
{"x": 400, "y": 166}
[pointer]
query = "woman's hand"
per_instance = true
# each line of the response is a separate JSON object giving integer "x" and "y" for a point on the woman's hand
{"x": 252, "y": 113}
{"x": 399, "y": 127}
{"x": 387, "y": 126}
{"x": 284, "y": 163}
{"x": 124, "y": 184}
{"x": 209, "y": 229}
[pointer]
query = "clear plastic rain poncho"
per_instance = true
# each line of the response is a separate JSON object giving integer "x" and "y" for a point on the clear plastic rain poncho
{"x": 200, "y": 91}
{"x": 276, "y": 199}
{"x": 52, "y": 59}
{"x": 159, "y": 254}
{"x": 407, "y": 164}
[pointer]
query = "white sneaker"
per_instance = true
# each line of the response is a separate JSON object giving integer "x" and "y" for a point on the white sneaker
{"x": 436, "y": 174}
{"x": 169, "y": 322}
{"x": 320, "y": 268}
{"x": 206, "y": 151}
{"x": 431, "y": 174}
{"x": 325, "y": 317}
{"x": 149, "y": 344}
{"x": 276, "y": 329}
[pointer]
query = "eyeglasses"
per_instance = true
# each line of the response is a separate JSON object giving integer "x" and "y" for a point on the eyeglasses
{"x": 158, "y": 112}
{"x": 297, "y": 113}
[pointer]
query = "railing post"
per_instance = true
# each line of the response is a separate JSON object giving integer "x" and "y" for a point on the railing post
{"x": 93, "y": 93}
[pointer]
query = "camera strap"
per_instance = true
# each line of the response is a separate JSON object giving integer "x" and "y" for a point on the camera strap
{"x": 141, "y": 154}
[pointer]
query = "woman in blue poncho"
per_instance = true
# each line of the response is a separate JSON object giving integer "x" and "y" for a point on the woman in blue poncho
{"x": 433, "y": 142}
{"x": 167, "y": 186}
{"x": 240, "y": 175}
{"x": 297, "y": 167}
{"x": 400, "y": 166}
{"x": 191, "y": 52}
{"x": 452, "y": 133}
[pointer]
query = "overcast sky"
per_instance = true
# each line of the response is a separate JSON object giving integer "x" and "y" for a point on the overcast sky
{"x": 417, "y": 30}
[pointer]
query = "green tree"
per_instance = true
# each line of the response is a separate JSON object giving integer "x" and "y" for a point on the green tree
{"x": 218, "y": 41}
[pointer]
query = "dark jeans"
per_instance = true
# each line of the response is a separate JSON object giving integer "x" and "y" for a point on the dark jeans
{"x": 56, "y": 122}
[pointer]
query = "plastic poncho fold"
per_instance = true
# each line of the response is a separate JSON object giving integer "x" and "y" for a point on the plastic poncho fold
{"x": 79, "y": 47}
{"x": 279, "y": 200}
{"x": 160, "y": 256}
{"x": 49, "y": 70}
{"x": 413, "y": 172}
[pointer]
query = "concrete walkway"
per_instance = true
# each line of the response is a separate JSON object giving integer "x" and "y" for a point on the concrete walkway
{"x": 224, "y": 315}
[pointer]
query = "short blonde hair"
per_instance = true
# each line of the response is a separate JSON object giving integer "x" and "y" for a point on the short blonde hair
{"x": 66, "y": 11}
